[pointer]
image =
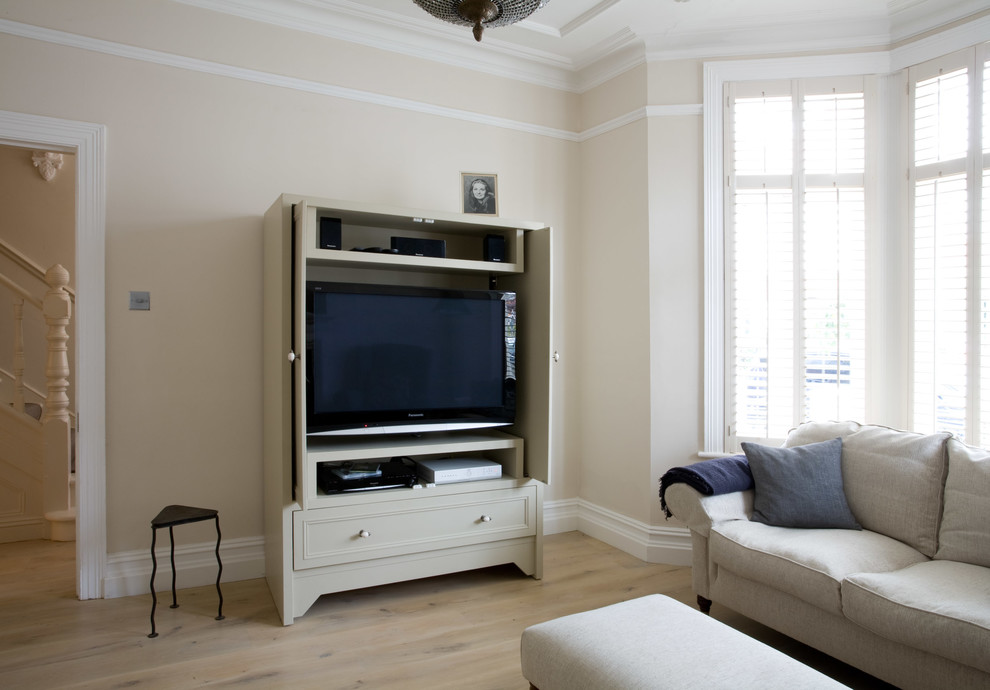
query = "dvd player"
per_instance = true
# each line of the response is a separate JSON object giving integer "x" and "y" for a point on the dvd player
{"x": 392, "y": 474}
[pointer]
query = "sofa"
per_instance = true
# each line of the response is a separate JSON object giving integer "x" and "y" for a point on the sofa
{"x": 902, "y": 592}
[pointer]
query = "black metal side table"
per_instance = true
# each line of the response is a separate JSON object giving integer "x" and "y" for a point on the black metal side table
{"x": 170, "y": 517}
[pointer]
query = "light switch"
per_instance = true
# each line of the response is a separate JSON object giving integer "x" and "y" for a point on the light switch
{"x": 140, "y": 301}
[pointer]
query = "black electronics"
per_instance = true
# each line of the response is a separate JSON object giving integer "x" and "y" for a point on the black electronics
{"x": 330, "y": 233}
{"x": 494, "y": 248}
{"x": 390, "y": 358}
{"x": 417, "y": 246}
{"x": 390, "y": 475}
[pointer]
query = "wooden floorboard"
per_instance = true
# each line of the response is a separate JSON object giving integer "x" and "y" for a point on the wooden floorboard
{"x": 456, "y": 631}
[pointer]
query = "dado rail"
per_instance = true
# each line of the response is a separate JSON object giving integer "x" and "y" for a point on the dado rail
{"x": 37, "y": 425}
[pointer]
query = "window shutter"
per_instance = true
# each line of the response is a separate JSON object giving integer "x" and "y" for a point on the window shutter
{"x": 985, "y": 263}
{"x": 797, "y": 289}
{"x": 834, "y": 250}
{"x": 941, "y": 249}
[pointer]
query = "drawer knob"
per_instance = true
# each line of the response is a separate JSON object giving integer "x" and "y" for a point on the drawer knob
{"x": 486, "y": 518}
{"x": 364, "y": 534}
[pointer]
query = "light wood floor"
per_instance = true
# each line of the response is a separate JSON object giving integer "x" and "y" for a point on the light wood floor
{"x": 456, "y": 631}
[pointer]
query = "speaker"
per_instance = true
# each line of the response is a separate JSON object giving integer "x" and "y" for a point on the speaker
{"x": 416, "y": 246}
{"x": 330, "y": 233}
{"x": 494, "y": 248}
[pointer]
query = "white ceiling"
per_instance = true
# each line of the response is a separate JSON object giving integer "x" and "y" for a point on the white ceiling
{"x": 574, "y": 44}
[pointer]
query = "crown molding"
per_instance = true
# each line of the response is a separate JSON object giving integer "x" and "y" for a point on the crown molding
{"x": 356, "y": 22}
{"x": 769, "y": 35}
{"x": 218, "y": 69}
{"x": 945, "y": 42}
{"x": 910, "y": 18}
{"x": 422, "y": 38}
{"x": 615, "y": 55}
{"x": 583, "y": 19}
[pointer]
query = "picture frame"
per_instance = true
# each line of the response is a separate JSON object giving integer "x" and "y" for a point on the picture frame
{"x": 479, "y": 193}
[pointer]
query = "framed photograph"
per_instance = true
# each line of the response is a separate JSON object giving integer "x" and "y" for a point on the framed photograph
{"x": 480, "y": 193}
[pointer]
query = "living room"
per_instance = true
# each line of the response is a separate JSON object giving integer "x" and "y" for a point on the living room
{"x": 196, "y": 115}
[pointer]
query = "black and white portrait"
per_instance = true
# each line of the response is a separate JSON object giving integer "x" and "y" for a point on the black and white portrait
{"x": 479, "y": 193}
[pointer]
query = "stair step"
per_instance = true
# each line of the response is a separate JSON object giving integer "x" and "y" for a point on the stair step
{"x": 62, "y": 524}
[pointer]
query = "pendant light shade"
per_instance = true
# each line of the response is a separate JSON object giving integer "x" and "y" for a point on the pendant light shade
{"x": 481, "y": 14}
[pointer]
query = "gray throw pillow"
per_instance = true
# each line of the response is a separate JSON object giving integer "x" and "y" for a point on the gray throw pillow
{"x": 799, "y": 486}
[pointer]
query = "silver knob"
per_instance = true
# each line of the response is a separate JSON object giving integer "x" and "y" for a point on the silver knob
{"x": 364, "y": 534}
{"x": 292, "y": 356}
{"x": 486, "y": 518}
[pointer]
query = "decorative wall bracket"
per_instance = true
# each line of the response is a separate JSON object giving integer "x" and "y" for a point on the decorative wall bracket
{"x": 48, "y": 163}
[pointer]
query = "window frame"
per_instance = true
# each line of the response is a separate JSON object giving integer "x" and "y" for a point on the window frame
{"x": 716, "y": 76}
{"x": 887, "y": 387}
{"x": 970, "y": 166}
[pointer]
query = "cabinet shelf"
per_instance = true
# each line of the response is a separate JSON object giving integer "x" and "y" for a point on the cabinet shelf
{"x": 503, "y": 448}
{"x": 399, "y": 262}
{"x": 328, "y": 449}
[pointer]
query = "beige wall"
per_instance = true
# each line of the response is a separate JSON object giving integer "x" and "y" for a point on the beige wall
{"x": 37, "y": 217}
{"x": 641, "y": 294}
{"x": 193, "y": 161}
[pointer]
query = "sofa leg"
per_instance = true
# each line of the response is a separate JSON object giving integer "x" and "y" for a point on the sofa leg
{"x": 704, "y": 605}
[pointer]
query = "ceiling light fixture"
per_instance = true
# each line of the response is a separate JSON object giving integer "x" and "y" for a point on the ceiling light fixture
{"x": 481, "y": 14}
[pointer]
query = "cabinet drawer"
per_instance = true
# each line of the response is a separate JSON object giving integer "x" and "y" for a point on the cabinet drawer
{"x": 335, "y": 535}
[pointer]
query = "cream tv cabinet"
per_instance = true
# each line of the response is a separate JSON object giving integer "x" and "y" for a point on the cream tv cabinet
{"x": 318, "y": 544}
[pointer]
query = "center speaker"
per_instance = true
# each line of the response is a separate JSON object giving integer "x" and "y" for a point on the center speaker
{"x": 417, "y": 246}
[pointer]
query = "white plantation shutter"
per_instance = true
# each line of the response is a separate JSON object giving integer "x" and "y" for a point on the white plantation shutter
{"x": 796, "y": 252}
{"x": 940, "y": 305}
{"x": 834, "y": 299}
{"x": 943, "y": 244}
{"x": 985, "y": 264}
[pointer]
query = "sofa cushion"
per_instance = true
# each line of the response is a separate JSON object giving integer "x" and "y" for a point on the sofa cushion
{"x": 800, "y": 486}
{"x": 938, "y": 606}
{"x": 892, "y": 479}
{"x": 808, "y": 564}
{"x": 965, "y": 532}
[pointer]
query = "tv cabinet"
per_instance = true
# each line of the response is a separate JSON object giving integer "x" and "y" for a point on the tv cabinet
{"x": 318, "y": 544}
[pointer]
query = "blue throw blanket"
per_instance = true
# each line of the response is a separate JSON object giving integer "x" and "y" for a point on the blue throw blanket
{"x": 709, "y": 477}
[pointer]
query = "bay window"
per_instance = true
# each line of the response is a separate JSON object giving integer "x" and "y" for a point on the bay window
{"x": 807, "y": 312}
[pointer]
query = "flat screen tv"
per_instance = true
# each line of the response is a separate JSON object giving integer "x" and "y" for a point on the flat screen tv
{"x": 398, "y": 359}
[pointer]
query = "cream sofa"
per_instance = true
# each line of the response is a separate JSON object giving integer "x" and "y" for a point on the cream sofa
{"x": 906, "y": 599}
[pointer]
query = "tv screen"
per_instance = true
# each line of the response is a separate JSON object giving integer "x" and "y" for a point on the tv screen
{"x": 384, "y": 358}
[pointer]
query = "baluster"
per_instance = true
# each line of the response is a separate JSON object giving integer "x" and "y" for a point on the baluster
{"x": 58, "y": 311}
{"x": 57, "y": 308}
{"x": 18, "y": 354}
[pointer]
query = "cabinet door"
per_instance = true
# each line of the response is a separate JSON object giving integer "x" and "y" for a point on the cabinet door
{"x": 304, "y": 216}
{"x": 536, "y": 351}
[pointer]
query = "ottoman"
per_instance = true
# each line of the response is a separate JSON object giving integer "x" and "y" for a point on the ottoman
{"x": 654, "y": 642}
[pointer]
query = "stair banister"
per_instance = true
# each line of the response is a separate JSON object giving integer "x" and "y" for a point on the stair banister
{"x": 57, "y": 308}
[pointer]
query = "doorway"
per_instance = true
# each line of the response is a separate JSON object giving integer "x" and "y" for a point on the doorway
{"x": 88, "y": 142}
{"x": 37, "y": 202}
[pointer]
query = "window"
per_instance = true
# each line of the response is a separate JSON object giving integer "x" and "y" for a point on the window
{"x": 795, "y": 243}
{"x": 951, "y": 247}
{"x": 831, "y": 199}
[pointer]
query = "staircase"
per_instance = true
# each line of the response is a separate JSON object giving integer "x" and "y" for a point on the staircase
{"x": 37, "y": 428}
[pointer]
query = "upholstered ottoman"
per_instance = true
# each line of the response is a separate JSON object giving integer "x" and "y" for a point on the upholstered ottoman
{"x": 654, "y": 642}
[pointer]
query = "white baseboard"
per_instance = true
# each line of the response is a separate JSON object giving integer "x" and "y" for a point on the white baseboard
{"x": 129, "y": 572}
{"x": 671, "y": 545}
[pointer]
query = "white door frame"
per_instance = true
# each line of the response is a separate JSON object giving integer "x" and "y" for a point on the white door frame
{"x": 88, "y": 141}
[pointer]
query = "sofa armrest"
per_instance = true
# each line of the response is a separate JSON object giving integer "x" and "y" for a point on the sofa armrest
{"x": 700, "y": 512}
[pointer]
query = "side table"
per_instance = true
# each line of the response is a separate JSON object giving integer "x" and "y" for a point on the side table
{"x": 170, "y": 516}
